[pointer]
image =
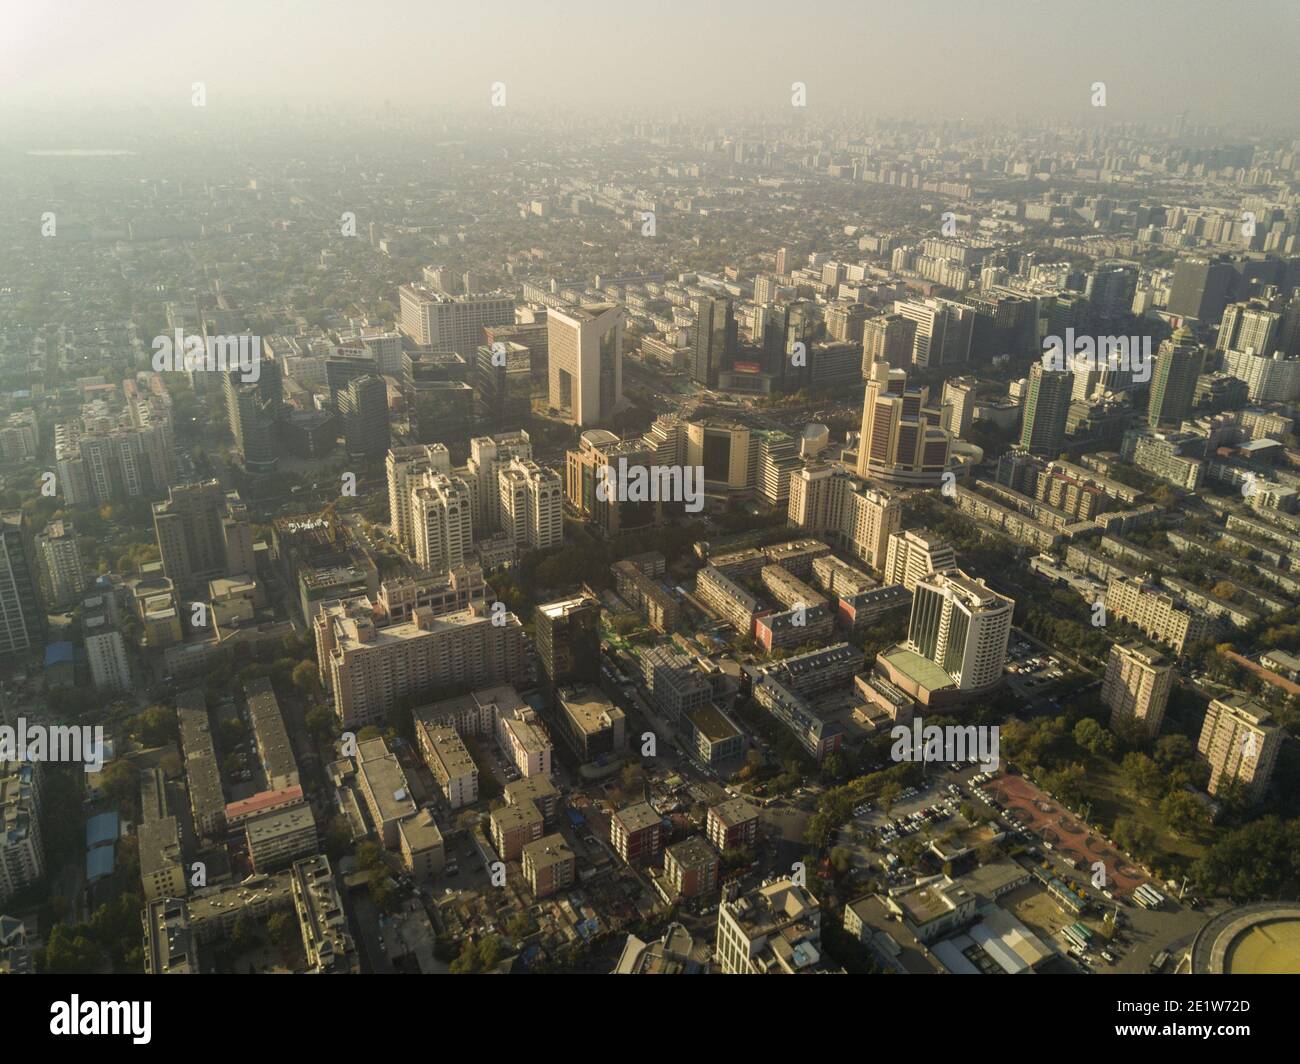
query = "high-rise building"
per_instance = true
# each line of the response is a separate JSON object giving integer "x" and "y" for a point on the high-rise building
{"x": 1110, "y": 289}
{"x": 1250, "y": 327}
{"x": 488, "y": 456}
{"x": 442, "y": 522}
{"x": 1200, "y": 289}
{"x": 943, "y": 330}
{"x": 22, "y": 851}
{"x": 568, "y": 640}
{"x": 531, "y": 505}
{"x": 447, "y": 323}
{"x": 819, "y": 497}
{"x": 958, "y": 407}
{"x": 439, "y": 398}
{"x": 105, "y": 650}
{"x": 22, "y": 615}
{"x": 913, "y": 555}
{"x": 1173, "y": 380}
{"x": 1137, "y": 685}
{"x": 59, "y": 560}
{"x": 503, "y": 383}
{"x": 363, "y": 405}
{"x": 407, "y": 468}
{"x": 871, "y": 518}
{"x": 367, "y": 669}
{"x": 713, "y": 344}
{"x": 599, "y": 506}
{"x": 203, "y": 532}
{"x": 254, "y": 409}
{"x": 1047, "y": 404}
{"x": 774, "y": 929}
{"x": 961, "y": 626}
{"x": 887, "y": 338}
{"x": 901, "y": 441}
{"x": 586, "y": 361}
{"x": 1268, "y": 378}
{"x": 1241, "y": 743}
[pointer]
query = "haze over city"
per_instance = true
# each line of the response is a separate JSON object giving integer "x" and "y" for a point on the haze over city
{"x": 697, "y": 489}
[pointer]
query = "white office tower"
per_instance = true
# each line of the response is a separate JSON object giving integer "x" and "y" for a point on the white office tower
{"x": 961, "y": 626}
{"x": 105, "y": 652}
{"x": 818, "y": 494}
{"x": 59, "y": 562}
{"x": 1137, "y": 685}
{"x": 912, "y": 556}
{"x": 407, "y": 468}
{"x": 531, "y": 505}
{"x": 870, "y": 518}
{"x": 585, "y": 345}
{"x": 22, "y": 854}
{"x": 667, "y": 439}
{"x": 958, "y": 407}
{"x": 442, "y": 520}
{"x": 451, "y": 323}
{"x": 488, "y": 456}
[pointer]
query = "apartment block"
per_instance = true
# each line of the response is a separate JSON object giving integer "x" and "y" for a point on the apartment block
{"x": 1137, "y": 685}
{"x": 549, "y": 865}
{"x": 637, "y": 834}
{"x": 691, "y": 868}
{"x": 732, "y": 825}
{"x": 1241, "y": 744}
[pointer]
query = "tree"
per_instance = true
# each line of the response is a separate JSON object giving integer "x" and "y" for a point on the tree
{"x": 306, "y": 677}
{"x": 245, "y": 934}
{"x": 1092, "y": 737}
{"x": 1067, "y": 782}
{"x": 1182, "y": 812}
{"x": 283, "y": 930}
{"x": 1143, "y": 774}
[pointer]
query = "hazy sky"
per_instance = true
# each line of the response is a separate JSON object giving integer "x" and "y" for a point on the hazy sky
{"x": 1223, "y": 63}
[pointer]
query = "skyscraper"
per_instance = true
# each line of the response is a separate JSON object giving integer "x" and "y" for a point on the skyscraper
{"x": 1047, "y": 403}
{"x": 568, "y": 640}
{"x": 254, "y": 409}
{"x": 442, "y": 522}
{"x": 943, "y": 330}
{"x": 887, "y": 338}
{"x": 1200, "y": 289}
{"x": 62, "y": 576}
{"x": 22, "y": 616}
{"x": 203, "y": 532}
{"x": 961, "y": 626}
{"x": 1136, "y": 686}
{"x": 586, "y": 361}
{"x": 1173, "y": 381}
{"x": 363, "y": 405}
{"x": 713, "y": 345}
{"x": 901, "y": 441}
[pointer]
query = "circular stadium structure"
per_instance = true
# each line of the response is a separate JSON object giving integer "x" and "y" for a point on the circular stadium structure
{"x": 1259, "y": 939}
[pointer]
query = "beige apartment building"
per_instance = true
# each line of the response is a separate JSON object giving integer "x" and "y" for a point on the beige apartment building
{"x": 367, "y": 668}
{"x": 1137, "y": 685}
{"x": 549, "y": 865}
{"x": 451, "y": 764}
{"x": 1241, "y": 743}
{"x": 1159, "y": 614}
